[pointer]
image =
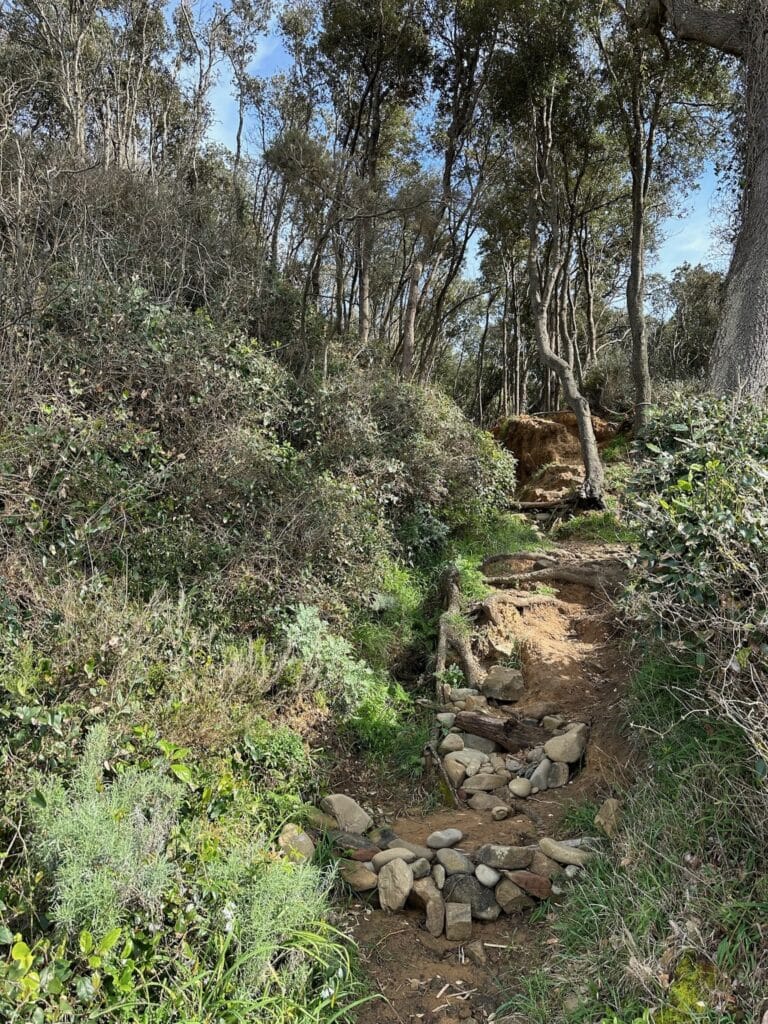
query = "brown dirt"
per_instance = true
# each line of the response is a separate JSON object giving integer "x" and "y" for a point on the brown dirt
{"x": 571, "y": 658}
{"x": 549, "y": 441}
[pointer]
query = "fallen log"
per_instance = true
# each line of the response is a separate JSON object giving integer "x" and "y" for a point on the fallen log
{"x": 453, "y": 637}
{"x": 594, "y": 576}
{"x": 511, "y": 734}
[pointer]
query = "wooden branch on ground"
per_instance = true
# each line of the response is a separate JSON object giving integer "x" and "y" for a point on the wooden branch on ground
{"x": 510, "y": 733}
{"x": 519, "y": 599}
{"x": 520, "y": 556}
{"x": 595, "y": 577}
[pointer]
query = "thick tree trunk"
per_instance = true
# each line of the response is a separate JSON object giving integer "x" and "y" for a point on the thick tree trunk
{"x": 641, "y": 373}
{"x": 409, "y": 327}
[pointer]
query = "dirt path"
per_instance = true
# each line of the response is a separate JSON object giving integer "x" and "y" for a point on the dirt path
{"x": 570, "y": 658}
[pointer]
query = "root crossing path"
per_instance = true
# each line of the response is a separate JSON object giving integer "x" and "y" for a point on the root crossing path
{"x": 550, "y": 616}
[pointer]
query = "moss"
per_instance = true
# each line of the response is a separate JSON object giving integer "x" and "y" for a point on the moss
{"x": 690, "y": 994}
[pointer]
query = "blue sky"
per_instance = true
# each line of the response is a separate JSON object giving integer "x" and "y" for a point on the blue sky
{"x": 689, "y": 237}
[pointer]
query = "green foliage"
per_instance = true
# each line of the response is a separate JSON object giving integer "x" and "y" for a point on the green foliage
{"x": 604, "y": 527}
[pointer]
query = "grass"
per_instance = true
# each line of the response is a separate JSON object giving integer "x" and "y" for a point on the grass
{"x": 683, "y": 888}
{"x": 605, "y": 527}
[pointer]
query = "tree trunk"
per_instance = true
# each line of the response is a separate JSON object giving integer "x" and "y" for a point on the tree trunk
{"x": 409, "y": 328}
{"x": 641, "y": 373}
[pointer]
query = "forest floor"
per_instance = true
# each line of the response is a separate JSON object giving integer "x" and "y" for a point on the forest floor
{"x": 570, "y": 657}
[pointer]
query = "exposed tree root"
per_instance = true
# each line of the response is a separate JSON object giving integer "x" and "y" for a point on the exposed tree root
{"x": 451, "y": 637}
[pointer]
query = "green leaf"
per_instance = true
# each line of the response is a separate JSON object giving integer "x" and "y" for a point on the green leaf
{"x": 109, "y": 940}
{"x": 184, "y": 773}
{"x": 6, "y": 936}
{"x": 86, "y": 942}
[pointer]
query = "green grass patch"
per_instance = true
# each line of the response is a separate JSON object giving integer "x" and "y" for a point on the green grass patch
{"x": 598, "y": 527}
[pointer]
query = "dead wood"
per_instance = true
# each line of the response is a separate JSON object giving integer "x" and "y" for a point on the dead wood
{"x": 509, "y": 733}
{"x": 452, "y": 637}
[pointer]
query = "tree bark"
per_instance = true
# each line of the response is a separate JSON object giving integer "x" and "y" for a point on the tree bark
{"x": 510, "y": 733}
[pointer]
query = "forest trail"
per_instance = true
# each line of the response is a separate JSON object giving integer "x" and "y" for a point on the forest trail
{"x": 571, "y": 660}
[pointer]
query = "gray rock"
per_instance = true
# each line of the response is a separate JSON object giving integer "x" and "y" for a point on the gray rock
{"x": 421, "y": 868}
{"x": 484, "y": 802}
{"x": 426, "y": 895}
{"x": 510, "y": 858}
{"x": 539, "y": 779}
{"x": 511, "y": 897}
{"x": 573, "y": 871}
{"x": 461, "y": 693}
{"x": 398, "y": 852}
{"x": 438, "y": 875}
{"x": 444, "y": 838}
{"x": 395, "y": 884}
{"x": 581, "y": 728}
{"x": 455, "y": 862}
{"x": 451, "y": 744}
{"x": 534, "y": 755}
{"x": 480, "y": 743}
{"x": 520, "y": 788}
{"x": 468, "y": 756}
{"x": 487, "y": 876}
{"x": 514, "y": 766}
{"x": 500, "y": 813}
{"x": 552, "y": 722}
{"x": 476, "y": 953}
{"x": 404, "y": 844}
{"x": 504, "y": 684}
{"x": 458, "y": 922}
{"x": 295, "y": 844}
{"x": 349, "y": 814}
{"x": 446, "y": 719}
{"x": 357, "y": 876}
{"x": 565, "y": 854}
{"x": 545, "y": 866}
{"x": 484, "y": 783}
{"x": 455, "y": 771}
{"x": 467, "y": 889}
{"x": 569, "y": 747}
{"x": 558, "y": 776}
{"x": 384, "y": 838}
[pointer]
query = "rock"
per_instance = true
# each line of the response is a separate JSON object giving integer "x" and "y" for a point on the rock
{"x": 479, "y": 743}
{"x": 487, "y": 876}
{"x": 295, "y": 844}
{"x": 580, "y": 728}
{"x": 420, "y": 851}
{"x": 425, "y": 894}
{"x": 483, "y": 801}
{"x": 520, "y": 788}
{"x": 535, "y": 755}
{"x": 511, "y": 858}
{"x": 451, "y": 744}
{"x": 514, "y": 766}
{"x": 444, "y": 838}
{"x": 540, "y": 778}
{"x": 454, "y": 862}
{"x": 478, "y": 703}
{"x": 446, "y": 719}
{"x": 504, "y": 684}
{"x": 558, "y": 775}
{"x": 552, "y": 722}
{"x": 572, "y": 871}
{"x": 349, "y": 814}
{"x": 395, "y": 884}
{"x": 316, "y": 818}
{"x": 500, "y": 813}
{"x": 608, "y": 818}
{"x": 468, "y": 757}
{"x": 565, "y": 854}
{"x": 345, "y": 841}
{"x": 455, "y": 771}
{"x": 384, "y": 838}
{"x": 357, "y": 876}
{"x": 511, "y": 897}
{"x": 461, "y": 693}
{"x": 399, "y": 852}
{"x": 421, "y": 868}
{"x": 364, "y": 855}
{"x": 538, "y": 710}
{"x": 467, "y": 889}
{"x": 438, "y": 875}
{"x": 545, "y": 866}
{"x": 569, "y": 747}
{"x": 530, "y": 883}
{"x": 476, "y": 953}
{"x": 485, "y": 783}
{"x": 458, "y": 922}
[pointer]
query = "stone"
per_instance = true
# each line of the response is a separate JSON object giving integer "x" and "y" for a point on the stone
{"x": 420, "y": 851}
{"x": 608, "y": 818}
{"x": 510, "y": 858}
{"x": 455, "y": 862}
{"x": 398, "y": 852}
{"x": 565, "y": 854}
{"x": 468, "y": 756}
{"x": 500, "y": 813}
{"x": 458, "y": 922}
{"x": 421, "y": 868}
{"x": 447, "y": 719}
{"x": 444, "y": 838}
{"x": 558, "y": 775}
{"x": 478, "y": 703}
{"x": 349, "y": 814}
{"x": 514, "y": 765}
{"x": 552, "y": 722}
{"x": 504, "y": 684}
{"x": 295, "y": 844}
{"x": 426, "y": 895}
{"x": 545, "y": 866}
{"x": 511, "y": 898}
{"x": 451, "y": 744}
{"x": 569, "y": 747}
{"x": 540, "y": 778}
{"x": 487, "y": 876}
{"x": 476, "y": 953}
{"x": 461, "y": 693}
{"x": 367, "y": 853}
{"x": 316, "y": 818}
{"x": 572, "y": 871}
{"x": 538, "y": 709}
{"x": 357, "y": 876}
{"x": 345, "y": 841}
{"x": 534, "y": 755}
{"x": 483, "y": 802}
{"x": 530, "y": 883}
{"x": 395, "y": 884}
{"x": 580, "y": 728}
{"x": 467, "y": 889}
{"x": 520, "y": 788}
{"x": 384, "y": 837}
{"x": 455, "y": 771}
{"x": 480, "y": 743}
{"x": 438, "y": 875}
{"x": 484, "y": 782}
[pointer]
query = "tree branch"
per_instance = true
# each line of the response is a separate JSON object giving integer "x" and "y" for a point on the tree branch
{"x": 689, "y": 21}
